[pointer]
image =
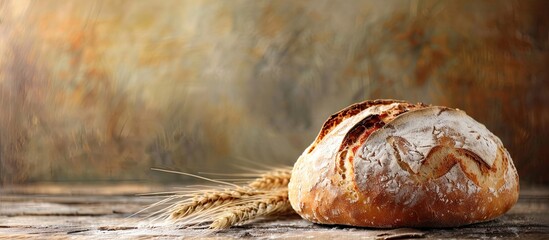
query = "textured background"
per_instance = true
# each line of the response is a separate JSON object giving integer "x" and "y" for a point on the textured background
{"x": 104, "y": 90}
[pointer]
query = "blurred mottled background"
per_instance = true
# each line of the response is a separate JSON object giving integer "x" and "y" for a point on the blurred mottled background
{"x": 104, "y": 90}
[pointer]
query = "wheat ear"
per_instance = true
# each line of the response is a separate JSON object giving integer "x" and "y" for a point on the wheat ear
{"x": 267, "y": 195}
{"x": 210, "y": 199}
{"x": 277, "y": 178}
{"x": 272, "y": 203}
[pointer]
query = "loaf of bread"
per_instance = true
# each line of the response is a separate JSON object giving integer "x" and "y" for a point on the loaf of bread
{"x": 388, "y": 163}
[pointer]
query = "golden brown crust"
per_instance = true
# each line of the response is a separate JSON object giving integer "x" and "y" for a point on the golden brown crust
{"x": 404, "y": 174}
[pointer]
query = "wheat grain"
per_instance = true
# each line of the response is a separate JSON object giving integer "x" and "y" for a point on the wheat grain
{"x": 272, "y": 203}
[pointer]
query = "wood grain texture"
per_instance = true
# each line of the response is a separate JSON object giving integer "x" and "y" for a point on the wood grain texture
{"x": 88, "y": 216}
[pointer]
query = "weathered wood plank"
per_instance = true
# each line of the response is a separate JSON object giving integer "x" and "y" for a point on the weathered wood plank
{"x": 107, "y": 216}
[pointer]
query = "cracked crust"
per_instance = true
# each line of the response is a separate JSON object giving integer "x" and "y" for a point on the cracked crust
{"x": 388, "y": 163}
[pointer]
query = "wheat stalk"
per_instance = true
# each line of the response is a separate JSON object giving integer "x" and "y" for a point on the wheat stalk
{"x": 273, "y": 203}
{"x": 267, "y": 195}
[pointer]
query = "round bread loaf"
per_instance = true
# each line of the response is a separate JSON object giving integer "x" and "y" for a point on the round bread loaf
{"x": 388, "y": 163}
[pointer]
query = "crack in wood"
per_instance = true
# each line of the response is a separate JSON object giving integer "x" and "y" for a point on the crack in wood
{"x": 56, "y": 214}
{"x": 78, "y": 231}
{"x": 115, "y": 228}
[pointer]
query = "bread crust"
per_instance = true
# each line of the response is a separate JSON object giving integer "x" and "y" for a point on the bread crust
{"x": 396, "y": 164}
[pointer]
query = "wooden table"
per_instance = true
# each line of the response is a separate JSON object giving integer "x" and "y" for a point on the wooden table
{"x": 103, "y": 212}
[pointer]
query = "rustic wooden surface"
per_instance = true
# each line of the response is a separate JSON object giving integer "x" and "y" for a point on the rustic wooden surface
{"x": 104, "y": 212}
